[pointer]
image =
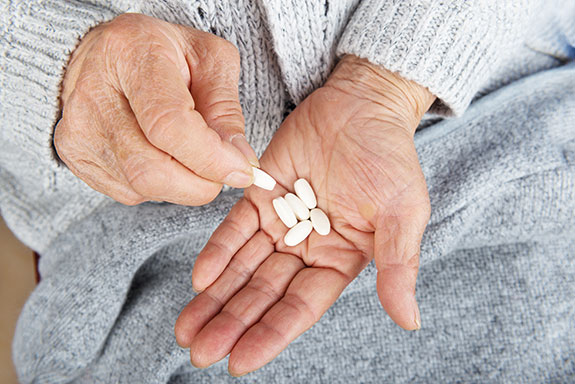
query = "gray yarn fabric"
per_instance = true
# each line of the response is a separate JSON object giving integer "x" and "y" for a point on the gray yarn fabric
{"x": 459, "y": 49}
{"x": 496, "y": 286}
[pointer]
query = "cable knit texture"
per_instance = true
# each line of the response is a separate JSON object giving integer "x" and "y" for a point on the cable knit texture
{"x": 496, "y": 285}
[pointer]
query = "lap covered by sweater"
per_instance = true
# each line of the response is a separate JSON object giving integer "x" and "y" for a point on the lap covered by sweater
{"x": 495, "y": 287}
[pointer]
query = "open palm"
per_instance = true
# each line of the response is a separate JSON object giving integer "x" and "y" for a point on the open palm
{"x": 258, "y": 294}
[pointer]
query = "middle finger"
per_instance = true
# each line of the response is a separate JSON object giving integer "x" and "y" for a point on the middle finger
{"x": 266, "y": 287}
{"x": 207, "y": 304}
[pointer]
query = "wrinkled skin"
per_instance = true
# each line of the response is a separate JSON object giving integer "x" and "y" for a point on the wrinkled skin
{"x": 352, "y": 140}
{"x": 151, "y": 112}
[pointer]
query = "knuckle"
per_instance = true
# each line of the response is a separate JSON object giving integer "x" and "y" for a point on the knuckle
{"x": 157, "y": 132}
{"x": 230, "y": 50}
{"x": 425, "y": 209}
{"x": 198, "y": 46}
{"x": 144, "y": 176}
{"x": 114, "y": 34}
{"x": 226, "y": 52}
{"x": 87, "y": 94}
{"x": 223, "y": 104}
{"x": 160, "y": 122}
{"x": 413, "y": 261}
{"x": 226, "y": 112}
{"x": 125, "y": 25}
{"x": 130, "y": 18}
{"x": 61, "y": 139}
{"x": 69, "y": 133}
{"x": 130, "y": 201}
{"x": 66, "y": 145}
{"x": 125, "y": 37}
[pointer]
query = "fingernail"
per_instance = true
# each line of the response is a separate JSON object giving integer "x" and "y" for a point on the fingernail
{"x": 197, "y": 290}
{"x": 239, "y": 141}
{"x": 239, "y": 179}
{"x": 417, "y": 320}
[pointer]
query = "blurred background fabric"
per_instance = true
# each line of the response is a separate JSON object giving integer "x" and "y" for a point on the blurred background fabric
{"x": 16, "y": 283}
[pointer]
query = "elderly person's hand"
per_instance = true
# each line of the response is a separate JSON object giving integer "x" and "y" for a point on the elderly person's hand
{"x": 151, "y": 112}
{"x": 353, "y": 140}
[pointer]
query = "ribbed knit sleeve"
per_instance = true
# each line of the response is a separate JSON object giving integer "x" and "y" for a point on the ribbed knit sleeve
{"x": 450, "y": 47}
{"x": 36, "y": 40}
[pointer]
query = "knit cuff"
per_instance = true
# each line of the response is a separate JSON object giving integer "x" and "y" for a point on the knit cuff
{"x": 450, "y": 47}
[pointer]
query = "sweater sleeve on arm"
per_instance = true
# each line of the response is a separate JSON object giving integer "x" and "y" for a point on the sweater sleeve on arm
{"x": 450, "y": 47}
{"x": 36, "y": 40}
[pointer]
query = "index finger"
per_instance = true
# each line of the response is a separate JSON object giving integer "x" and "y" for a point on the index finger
{"x": 309, "y": 295}
{"x": 165, "y": 110}
{"x": 238, "y": 227}
{"x": 242, "y": 222}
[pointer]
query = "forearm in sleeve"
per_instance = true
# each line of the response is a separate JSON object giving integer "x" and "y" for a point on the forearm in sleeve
{"x": 448, "y": 46}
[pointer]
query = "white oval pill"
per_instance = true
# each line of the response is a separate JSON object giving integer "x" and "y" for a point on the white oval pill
{"x": 305, "y": 192}
{"x": 297, "y": 206}
{"x": 320, "y": 221}
{"x": 298, "y": 233}
{"x": 284, "y": 212}
{"x": 263, "y": 180}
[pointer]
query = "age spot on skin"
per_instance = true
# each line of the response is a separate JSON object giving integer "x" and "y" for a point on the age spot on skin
{"x": 367, "y": 211}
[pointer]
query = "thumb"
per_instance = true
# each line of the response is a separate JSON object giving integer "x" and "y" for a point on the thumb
{"x": 396, "y": 249}
{"x": 214, "y": 87}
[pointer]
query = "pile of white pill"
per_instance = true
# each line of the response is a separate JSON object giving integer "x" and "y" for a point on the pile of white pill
{"x": 298, "y": 211}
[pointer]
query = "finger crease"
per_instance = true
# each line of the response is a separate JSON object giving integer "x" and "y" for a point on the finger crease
{"x": 222, "y": 246}
{"x": 263, "y": 286}
{"x": 274, "y": 330}
{"x": 302, "y": 303}
{"x": 237, "y": 229}
{"x": 242, "y": 270}
{"x": 219, "y": 302}
{"x": 234, "y": 317}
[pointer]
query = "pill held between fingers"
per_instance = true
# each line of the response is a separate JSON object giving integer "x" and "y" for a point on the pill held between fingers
{"x": 297, "y": 206}
{"x": 263, "y": 180}
{"x": 285, "y": 213}
{"x": 305, "y": 192}
{"x": 298, "y": 233}
{"x": 320, "y": 221}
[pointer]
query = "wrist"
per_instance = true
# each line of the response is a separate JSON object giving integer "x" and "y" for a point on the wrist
{"x": 405, "y": 99}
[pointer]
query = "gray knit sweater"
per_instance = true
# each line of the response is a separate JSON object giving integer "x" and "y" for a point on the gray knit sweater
{"x": 501, "y": 182}
{"x": 456, "y": 48}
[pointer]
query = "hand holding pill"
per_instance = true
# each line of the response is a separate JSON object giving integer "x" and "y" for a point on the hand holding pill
{"x": 142, "y": 129}
{"x": 351, "y": 142}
